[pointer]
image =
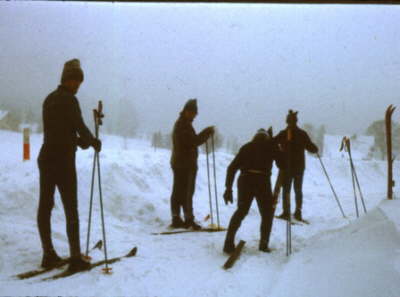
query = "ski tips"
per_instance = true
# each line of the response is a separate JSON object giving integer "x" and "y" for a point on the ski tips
{"x": 132, "y": 252}
{"x": 99, "y": 245}
{"x": 390, "y": 108}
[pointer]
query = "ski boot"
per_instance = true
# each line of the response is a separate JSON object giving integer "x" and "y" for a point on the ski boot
{"x": 192, "y": 224}
{"x": 297, "y": 215}
{"x": 50, "y": 259}
{"x": 263, "y": 247}
{"x": 284, "y": 216}
{"x": 229, "y": 247}
{"x": 78, "y": 264}
{"x": 177, "y": 222}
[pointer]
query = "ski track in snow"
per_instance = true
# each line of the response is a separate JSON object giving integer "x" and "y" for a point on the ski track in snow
{"x": 331, "y": 257}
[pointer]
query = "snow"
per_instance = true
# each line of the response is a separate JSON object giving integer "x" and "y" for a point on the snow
{"x": 3, "y": 114}
{"x": 331, "y": 257}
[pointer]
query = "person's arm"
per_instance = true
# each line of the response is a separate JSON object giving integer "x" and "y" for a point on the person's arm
{"x": 86, "y": 137}
{"x": 278, "y": 155}
{"x": 233, "y": 167}
{"x": 309, "y": 145}
{"x": 188, "y": 137}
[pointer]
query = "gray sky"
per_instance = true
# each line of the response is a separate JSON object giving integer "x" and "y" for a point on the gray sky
{"x": 246, "y": 63}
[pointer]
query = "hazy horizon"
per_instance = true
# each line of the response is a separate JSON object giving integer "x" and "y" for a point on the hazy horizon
{"x": 247, "y": 64}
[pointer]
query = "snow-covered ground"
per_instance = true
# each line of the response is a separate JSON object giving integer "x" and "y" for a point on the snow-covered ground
{"x": 331, "y": 257}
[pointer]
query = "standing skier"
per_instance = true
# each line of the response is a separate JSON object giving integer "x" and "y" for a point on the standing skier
{"x": 184, "y": 164}
{"x": 293, "y": 141}
{"x": 62, "y": 122}
{"x": 255, "y": 163}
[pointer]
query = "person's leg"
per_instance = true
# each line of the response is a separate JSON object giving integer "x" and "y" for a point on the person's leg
{"x": 287, "y": 185}
{"x": 46, "y": 204}
{"x": 298, "y": 189}
{"x": 67, "y": 186}
{"x": 177, "y": 196}
{"x": 264, "y": 202}
{"x": 245, "y": 197}
{"x": 188, "y": 204}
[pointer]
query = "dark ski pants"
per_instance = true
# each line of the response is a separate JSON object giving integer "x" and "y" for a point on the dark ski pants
{"x": 60, "y": 174}
{"x": 252, "y": 186}
{"x": 183, "y": 191}
{"x": 297, "y": 180}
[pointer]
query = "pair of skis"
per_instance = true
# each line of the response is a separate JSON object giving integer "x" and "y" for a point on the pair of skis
{"x": 65, "y": 261}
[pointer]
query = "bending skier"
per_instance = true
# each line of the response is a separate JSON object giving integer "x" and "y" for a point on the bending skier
{"x": 255, "y": 163}
{"x": 293, "y": 141}
{"x": 184, "y": 165}
{"x": 62, "y": 122}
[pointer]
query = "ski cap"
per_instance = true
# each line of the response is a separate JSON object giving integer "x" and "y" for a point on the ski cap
{"x": 72, "y": 71}
{"x": 191, "y": 105}
{"x": 262, "y": 132}
{"x": 291, "y": 117}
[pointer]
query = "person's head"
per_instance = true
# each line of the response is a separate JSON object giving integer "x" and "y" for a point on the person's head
{"x": 291, "y": 119}
{"x": 190, "y": 109}
{"x": 72, "y": 75}
{"x": 261, "y": 136}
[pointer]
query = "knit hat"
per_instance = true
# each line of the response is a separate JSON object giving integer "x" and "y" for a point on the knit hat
{"x": 291, "y": 117}
{"x": 262, "y": 131}
{"x": 72, "y": 71}
{"x": 191, "y": 105}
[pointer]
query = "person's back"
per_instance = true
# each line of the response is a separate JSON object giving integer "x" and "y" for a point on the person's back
{"x": 59, "y": 136}
{"x": 299, "y": 143}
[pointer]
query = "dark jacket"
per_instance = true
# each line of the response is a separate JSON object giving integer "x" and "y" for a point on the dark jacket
{"x": 62, "y": 121}
{"x": 300, "y": 142}
{"x": 254, "y": 157}
{"x": 184, "y": 144}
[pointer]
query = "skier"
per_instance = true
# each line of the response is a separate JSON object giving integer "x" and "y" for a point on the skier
{"x": 293, "y": 141}
{"x": 62, "y": 121}
{"x": 255, "y": 163}
{"x": 184, "y": 165}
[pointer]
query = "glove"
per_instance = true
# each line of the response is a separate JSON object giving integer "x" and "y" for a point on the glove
{"x": 97, "y": 145}
{"x": 228, "y": 196}
{"x": 210, "y": 130}
{"x": 82, "y": 144}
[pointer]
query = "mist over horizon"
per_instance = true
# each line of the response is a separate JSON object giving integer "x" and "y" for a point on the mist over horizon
{"x": 247, "y": 64}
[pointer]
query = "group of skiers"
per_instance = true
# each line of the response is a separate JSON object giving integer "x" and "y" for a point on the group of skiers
{"x": 64, "y": 130}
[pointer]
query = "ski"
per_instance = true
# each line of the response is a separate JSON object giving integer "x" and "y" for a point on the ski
{"x": 235, "y": 255}
{"x": 60, "y": 264}
{"x": 293, "y": 222}
{"x": 209, "y": 230}
{"x": 67, "y": 273}
{"x": 302, "y": 221}
{"x": 388, "y": 121}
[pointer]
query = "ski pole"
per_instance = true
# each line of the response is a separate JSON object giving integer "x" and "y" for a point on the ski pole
{"x": 355, "y": 175}
{"x": 330, "y": 183}
{"x": 346, "y": 146}
{"x": 209, "y": 185}
{"x": 107, "y": 269}
{"x": 358, "y": 186}
{"x": 215, "y": 181}
{"x": 90, "y": 205}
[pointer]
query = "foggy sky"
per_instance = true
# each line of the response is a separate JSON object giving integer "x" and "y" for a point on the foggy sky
{"x": 247, "y": 64}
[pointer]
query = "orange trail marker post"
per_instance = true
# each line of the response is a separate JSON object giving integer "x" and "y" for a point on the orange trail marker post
{"x": 26, "y": 153}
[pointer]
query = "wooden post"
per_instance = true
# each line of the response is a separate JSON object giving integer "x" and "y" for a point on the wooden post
{"x": 26, "y": 148}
